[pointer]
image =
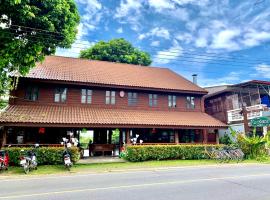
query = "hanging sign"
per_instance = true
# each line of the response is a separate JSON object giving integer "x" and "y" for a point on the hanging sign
{"x": 260, "y": 122}
{"x": 41, "y": 130}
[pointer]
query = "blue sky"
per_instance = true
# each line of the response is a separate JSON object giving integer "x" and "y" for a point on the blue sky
{"x": 223, "y": 41}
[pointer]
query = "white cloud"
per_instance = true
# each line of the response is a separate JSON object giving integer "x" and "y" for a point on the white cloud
{"x": 75, "y": 49}
{"x": 184, "y": 37}
{"x": 160, "y": 5}
{"x": 119, "y": 30}
{"x": 129, "y": 12}
{"x": 263, "y": 70}
{"x": 254, "y": 38}
{"x": 155, "y": 43}
{"x": 167, "y": 55}
{"x": 127, "y": 7}
{"x": 92, "y": 13}
{"x": 230, "y": 78}
{"x": 225, "y": 40}
{"x": 156, "y": 32}
{"x": 78, "y": 45}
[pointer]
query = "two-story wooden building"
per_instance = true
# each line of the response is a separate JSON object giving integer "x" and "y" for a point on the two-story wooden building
{"x": 62, "y": 95}
{"x": 226, "y": 102}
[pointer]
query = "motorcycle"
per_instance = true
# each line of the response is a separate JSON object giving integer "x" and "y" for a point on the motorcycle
{"x": 4, "y": 160}
{"x": 66, "y": 154}
{"x": 29, "y": 160}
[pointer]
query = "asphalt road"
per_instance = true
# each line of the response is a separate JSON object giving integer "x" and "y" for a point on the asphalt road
{"x": 222, "y": 182}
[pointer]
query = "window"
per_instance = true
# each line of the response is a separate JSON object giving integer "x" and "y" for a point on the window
{"x": 31, "y": 93}
{"x": 152, "y": 100}
{"x": 60, "y": 95}
{"x": 190, "y": 102}
{"x": 86, "y": 96}
{"x": 132, "y": 98}
{"x": 110, "y": 97}
{"x": 172, "y": 101}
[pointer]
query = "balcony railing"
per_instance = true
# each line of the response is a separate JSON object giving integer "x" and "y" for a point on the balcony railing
{"x": 252, "y": 112}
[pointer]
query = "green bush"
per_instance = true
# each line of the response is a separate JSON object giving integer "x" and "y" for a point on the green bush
{"x": 252, "y": 146}
{"x": 45, "y": 155}
{"x": 138, "y": 153}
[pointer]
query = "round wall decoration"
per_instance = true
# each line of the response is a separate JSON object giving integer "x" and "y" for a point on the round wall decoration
{"x": 122, "y": 93}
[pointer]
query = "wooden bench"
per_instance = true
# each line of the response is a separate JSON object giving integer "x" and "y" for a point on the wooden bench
{"x": 101, "y": 148}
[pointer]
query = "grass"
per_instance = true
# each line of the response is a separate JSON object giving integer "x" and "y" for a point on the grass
{"x": 110, "y": 167}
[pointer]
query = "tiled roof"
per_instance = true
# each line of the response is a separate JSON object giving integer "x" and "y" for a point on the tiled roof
{"x": 67, "y": 115}
{"x": 110, "y": 73}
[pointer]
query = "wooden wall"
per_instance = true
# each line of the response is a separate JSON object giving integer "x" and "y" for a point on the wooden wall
{"x": 46, "y": 97}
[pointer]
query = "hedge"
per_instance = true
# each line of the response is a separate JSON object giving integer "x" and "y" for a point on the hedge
{"x": 45, "y": 155}
{"x": 139, "y": 153}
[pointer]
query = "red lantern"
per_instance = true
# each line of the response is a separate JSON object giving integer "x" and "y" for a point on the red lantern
{"x": 153, "y": 130}
{"x": 41, "y": 130}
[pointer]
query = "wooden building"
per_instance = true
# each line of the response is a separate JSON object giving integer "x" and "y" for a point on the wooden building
{"x": 63, "y": 95}
{"x": 226, "y": 102}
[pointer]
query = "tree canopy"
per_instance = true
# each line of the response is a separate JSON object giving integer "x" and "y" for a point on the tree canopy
{"x": 32, "y": 29}
{"x": 117, "y": 50}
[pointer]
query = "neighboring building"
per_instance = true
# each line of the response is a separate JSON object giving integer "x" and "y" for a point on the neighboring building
{"x": 65, "y": 95}
{"x": 225, "y": 102}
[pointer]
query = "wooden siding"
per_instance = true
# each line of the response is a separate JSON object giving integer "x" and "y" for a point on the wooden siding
{"x": 46, "y": 97}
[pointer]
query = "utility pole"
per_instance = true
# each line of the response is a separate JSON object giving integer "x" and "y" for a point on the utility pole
{"x": 244, "y": 112}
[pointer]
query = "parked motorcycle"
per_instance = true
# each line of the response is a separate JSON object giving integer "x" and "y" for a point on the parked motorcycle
{"x": 28, "y": 160}
{"x": 66, "y": 155}
{"x": 4, "y": 160}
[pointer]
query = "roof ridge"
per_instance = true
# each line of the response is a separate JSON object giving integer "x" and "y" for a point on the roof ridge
{"x": 86, "y": 59}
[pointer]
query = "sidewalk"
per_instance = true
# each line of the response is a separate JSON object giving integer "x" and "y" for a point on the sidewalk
{"x": 101, "y": 159}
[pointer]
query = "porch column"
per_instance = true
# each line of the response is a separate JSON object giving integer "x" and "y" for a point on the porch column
{"x": 176, "y": 137}
{"x": 4, "y": 137}
{"x": 205, "y": 136}
{"x": 128, "y": 136}
{"x": 217, "y": 137}
{"x": 110, "y": 136}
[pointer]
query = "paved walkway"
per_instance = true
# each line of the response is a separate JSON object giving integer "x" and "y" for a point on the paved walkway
{"x": 101, "y": 159}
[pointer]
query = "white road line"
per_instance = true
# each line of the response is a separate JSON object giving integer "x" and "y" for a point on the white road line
{"x": 127, "y": 171}
{"x": 127, "y": 186}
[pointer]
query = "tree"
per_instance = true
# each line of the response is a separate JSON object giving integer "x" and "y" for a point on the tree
{"x": 30, "y": 30}
{"x": 117, "y": 50}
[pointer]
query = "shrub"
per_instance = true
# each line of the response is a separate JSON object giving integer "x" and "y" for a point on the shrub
{"x": 225, "y": 140}
{"x": 45, "y": 155}
{"x": 166, "y": 152}
{"x": 252, "y": 146}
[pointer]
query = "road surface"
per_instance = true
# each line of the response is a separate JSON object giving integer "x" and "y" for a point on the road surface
{"x": 221, "y": 182}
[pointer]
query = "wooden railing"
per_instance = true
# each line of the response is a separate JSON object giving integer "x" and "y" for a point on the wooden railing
{"x": 252, "y": 112}
{"x": 172, "y": 143}
{"x": 31, "y": 145}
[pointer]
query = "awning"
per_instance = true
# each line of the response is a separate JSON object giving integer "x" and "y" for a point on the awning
{"x": 85, "y": 116}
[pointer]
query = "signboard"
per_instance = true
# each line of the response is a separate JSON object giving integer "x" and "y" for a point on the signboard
{"x": 260, "y": 122}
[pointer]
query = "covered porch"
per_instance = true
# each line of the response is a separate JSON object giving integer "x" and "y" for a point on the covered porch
{"x": 108, "y": 129}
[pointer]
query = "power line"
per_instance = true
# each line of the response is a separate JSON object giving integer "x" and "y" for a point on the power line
{"x": 186, "y": 59}
{"x": 208, "y": 55}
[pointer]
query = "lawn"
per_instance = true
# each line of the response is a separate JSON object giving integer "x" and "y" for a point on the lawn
{"x": 111, "y": 167}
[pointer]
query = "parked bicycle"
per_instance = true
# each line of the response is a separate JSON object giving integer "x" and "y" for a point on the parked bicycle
{"x": 28, "y": 159}
{"x": 226, "y": 154}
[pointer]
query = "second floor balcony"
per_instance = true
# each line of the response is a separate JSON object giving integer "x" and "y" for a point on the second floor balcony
{"x": 254, "y": 111}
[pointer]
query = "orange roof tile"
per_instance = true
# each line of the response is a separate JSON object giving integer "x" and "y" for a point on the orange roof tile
{"x": 67, "y": 115}
{"x": 110, "y": 73}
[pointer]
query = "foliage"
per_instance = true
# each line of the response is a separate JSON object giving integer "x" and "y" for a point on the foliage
{"x": 45, "y": 155}
{"x": 117, "y": 50}
{"x": 252, "y": 146}
{"x": 32, "y": 30}
{"x": 115, "y": 136}
{"x": 3, "y": 103}
{"x": 166, "y": 152}
{"x": 225, "y": 140}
